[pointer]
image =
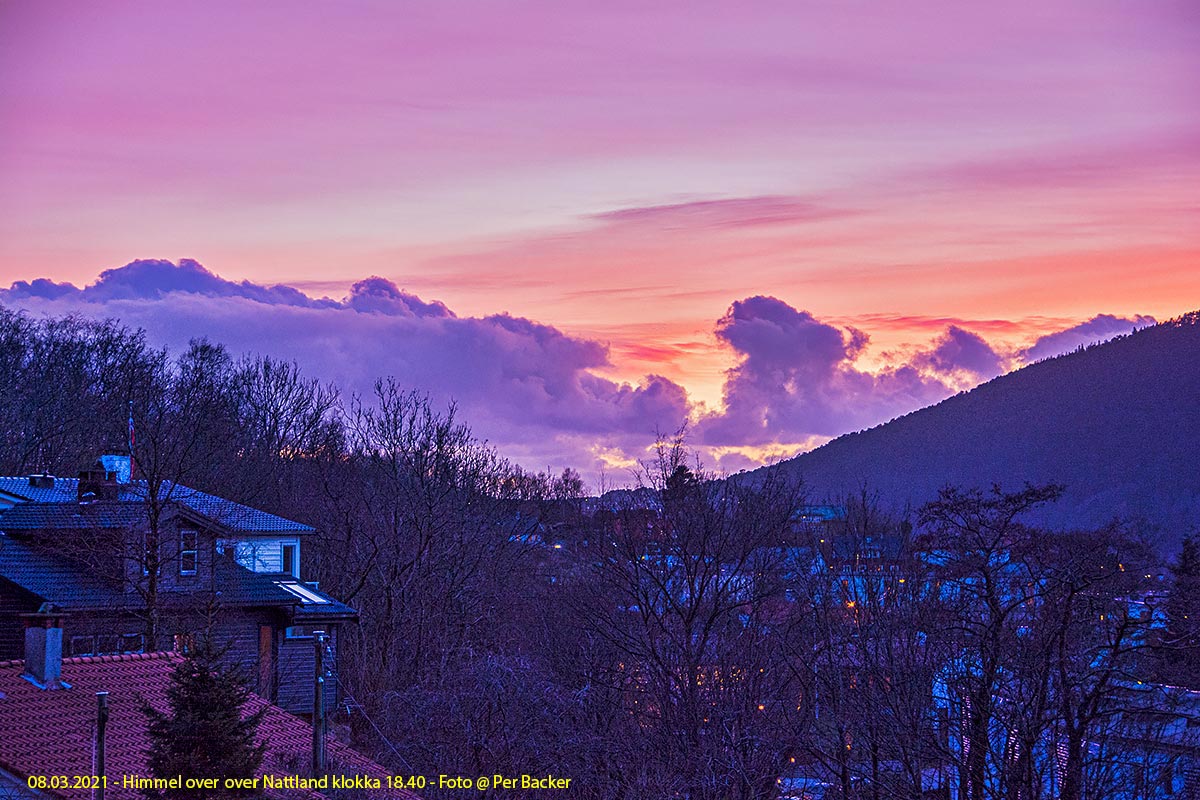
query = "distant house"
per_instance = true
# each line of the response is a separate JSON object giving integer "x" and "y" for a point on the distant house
{"x": 48, "y": 713}
{"x": 1145, "y": 746}
{"x": 87, "y": 546}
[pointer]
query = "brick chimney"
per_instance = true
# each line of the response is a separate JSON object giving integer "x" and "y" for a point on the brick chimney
{"x": 42, "y": 481}
{"x": 97, "y": 482}
{"x": 44, "y": 647}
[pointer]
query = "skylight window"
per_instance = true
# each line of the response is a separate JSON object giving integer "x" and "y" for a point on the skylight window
{"x": 305, "y": 594}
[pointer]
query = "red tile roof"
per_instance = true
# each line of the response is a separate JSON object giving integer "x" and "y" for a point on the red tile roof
{"x": 51, "y": 732}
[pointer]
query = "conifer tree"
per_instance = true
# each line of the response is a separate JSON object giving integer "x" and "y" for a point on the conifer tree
{"x": 1182, "y": 645}
{"x": 206, "y": 732}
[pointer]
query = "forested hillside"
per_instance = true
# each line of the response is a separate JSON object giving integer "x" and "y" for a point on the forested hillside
{"x": 1117, "y": 423}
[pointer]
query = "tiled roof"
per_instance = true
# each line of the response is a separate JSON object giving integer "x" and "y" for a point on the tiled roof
{"x": 75, "y": 587}
{"x": 39, "y": 494}
{"x": 235, "y": 516}
{"x": 240, "y": 586}
{"x": 55, "y": 579}
{"x": 30, "y": 746}
{"x": 73, "y": 516}
{"x": 328, "y": 608}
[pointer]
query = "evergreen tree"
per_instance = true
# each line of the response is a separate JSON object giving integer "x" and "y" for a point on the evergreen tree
{"x": 1181, "y": 662}
{"x": 205, "y": 733}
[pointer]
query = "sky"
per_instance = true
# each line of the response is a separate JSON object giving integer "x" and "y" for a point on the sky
{"x": 585, "y": 222}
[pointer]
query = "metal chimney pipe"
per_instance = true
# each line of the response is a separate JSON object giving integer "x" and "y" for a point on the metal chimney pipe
{"x": 98, "y": 755}
{"x": 318, "y": 717}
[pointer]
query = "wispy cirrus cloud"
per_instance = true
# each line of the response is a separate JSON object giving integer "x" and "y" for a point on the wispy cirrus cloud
{"x": 734, "y": 212}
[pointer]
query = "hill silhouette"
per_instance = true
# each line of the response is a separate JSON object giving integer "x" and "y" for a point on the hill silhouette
{"x": 1118, "y": 423}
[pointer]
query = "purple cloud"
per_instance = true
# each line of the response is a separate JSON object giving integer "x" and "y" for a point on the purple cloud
{"x": 381, "y": 295}
{"x": 529, "y": 388}
{"x": 40, "y": 288}
{"x": 1099, "y": 328}
{"x": 960, "y": 351}
{"x": 537, "y": 392}
{"x": 797, "y": 379}
{"x": 153, "y": 279}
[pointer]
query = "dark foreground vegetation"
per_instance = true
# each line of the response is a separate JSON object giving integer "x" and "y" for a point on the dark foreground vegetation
{"x": 689, "y": 637}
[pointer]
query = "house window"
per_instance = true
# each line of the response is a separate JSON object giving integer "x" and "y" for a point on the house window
{"x": 228, "y": 549}
{"x": 291, "y": 565}
{"x": 83, "y": 645}
{"x": 107, "y": 644}
{"x": 187, "y": 552}
{"x": 184, "y": 643}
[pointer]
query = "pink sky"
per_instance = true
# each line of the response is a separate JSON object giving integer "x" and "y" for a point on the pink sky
{"x": 623, "y": 172}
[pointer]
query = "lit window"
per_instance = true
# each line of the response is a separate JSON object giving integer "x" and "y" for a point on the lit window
{"x": 187, "y": 552}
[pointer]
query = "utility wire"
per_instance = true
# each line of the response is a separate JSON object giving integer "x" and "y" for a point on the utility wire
{"x": 346, "y": 692}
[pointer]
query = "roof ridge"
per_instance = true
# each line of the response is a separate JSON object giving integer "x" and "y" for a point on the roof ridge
{"x": 157, "y": 655}
{"x": 225, "y": 511}
{"x": 115, "y": 657}
{"x": 62, "y": 503}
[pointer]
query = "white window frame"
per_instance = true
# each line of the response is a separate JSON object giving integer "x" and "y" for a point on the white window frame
{"x": 294, "y": 544}
{"x": 193, "y": 551}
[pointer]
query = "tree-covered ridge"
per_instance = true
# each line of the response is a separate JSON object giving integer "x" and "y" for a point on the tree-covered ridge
{"x": 1116, "y": 423}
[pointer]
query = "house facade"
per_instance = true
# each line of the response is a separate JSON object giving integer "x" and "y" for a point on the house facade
{"x": 134, "y": 574}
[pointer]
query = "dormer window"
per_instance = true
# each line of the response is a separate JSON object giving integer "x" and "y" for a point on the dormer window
{"x": 187, "y": 551}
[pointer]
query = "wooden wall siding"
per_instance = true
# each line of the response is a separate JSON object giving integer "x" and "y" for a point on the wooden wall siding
{"x": 267, "y": 657}
{"x": 262, "y": 553}
{"x": 295, "y": 675}
{"x": 14, "y": 601}
{"x": 169, "y": 553}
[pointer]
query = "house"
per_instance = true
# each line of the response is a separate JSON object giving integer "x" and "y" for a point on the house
{"x": 138, "y": 574}
{"x": 37, "y": 759}
{"x": 1145, "y": 746}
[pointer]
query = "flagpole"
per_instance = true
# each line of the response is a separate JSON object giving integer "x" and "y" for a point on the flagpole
{"x": 131, "y": 441}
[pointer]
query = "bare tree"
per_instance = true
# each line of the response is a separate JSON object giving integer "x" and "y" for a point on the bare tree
{"x": 687, "y": 600}
{"x": 990, "y": 574}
